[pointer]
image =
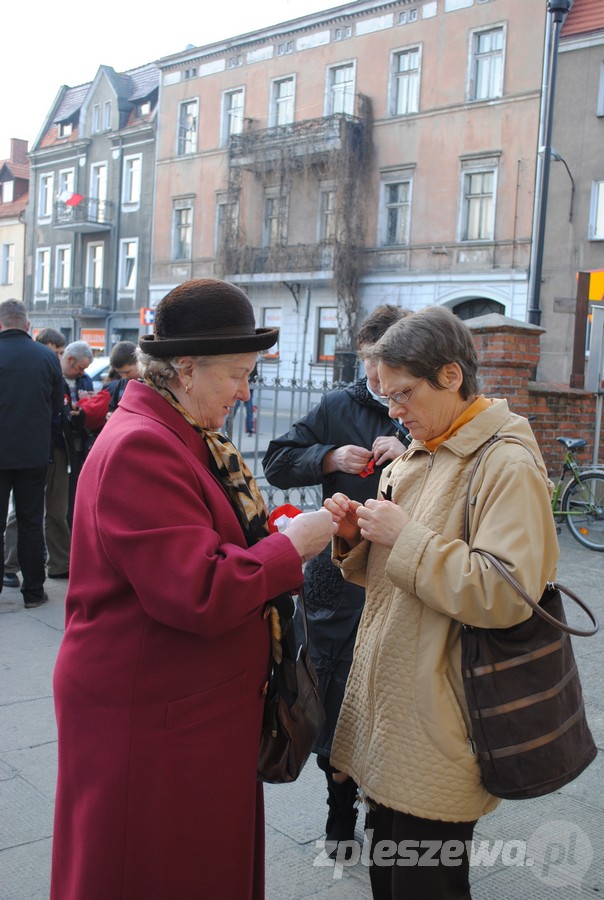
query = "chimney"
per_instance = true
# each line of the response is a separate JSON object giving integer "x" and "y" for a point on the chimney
{"x": 18, "y": 151}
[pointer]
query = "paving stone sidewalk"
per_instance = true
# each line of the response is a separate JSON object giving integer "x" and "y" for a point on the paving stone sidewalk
{"x": 564, "y": 830}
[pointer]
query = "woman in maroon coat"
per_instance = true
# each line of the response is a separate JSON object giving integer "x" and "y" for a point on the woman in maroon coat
{"x": 159, "y": 679}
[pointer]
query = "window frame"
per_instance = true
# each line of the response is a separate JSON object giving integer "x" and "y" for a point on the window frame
{"x": 230, "y": 114}
{"x": 468, "y": 170}
{"x": 276, "y": 102}
{"x": 95, "y": 265}
{"x": 596, "y": 211}
{"x": 475, "y": 57}
{"x": 281, "y": 219}
{"x": 177, "y": 229}
{"x": 63, "y": 265}
{"x": 324, "y": 333}
{"x": 402, "y": 178}
{"x": 330, "y": 92}
{"x": 398, "y": 77}
{"x": 42, "y": 271}
{"x": 131, "y": 198}
{"x": 45, "y": 196}
{"x": 7, "y": 274}
{"x": 124, "y": 286}
{"x": 186, "y": 146}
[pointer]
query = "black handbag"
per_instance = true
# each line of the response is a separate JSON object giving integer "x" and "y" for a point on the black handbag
{"x": 524, "y": 695}
{"x": 293, "y": 710}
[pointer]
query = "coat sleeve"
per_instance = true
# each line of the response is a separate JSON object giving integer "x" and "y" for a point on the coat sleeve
{"x": 172, "y": 535}
{"x": 295, "y": 458}
{"x": 512, "y": 519}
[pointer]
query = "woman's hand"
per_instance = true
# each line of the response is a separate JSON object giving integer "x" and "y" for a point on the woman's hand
{"x": 381, "y": 521}
{"x": 343, "y": 511}
{"x": 386, "y": 448}
{"x": 311, "y": 532}
{"x": 350, "y": 458}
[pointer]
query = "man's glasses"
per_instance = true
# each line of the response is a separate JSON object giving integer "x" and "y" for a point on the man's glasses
{"x": 401, "y": 396}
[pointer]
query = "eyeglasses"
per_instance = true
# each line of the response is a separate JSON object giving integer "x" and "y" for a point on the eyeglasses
{"x": 401, "y": 396}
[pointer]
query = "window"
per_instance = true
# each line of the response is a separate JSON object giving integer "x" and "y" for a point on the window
{"x": 66, "y": 181}
{"x": 144, "y": 108}
{"x": 232, "y": 114}
{"x": 65, "y": 129}
{"x": 94, "y": 266}
{"x": 340, "y": 34}
{"x": 327, "y": 215}
{"x": 282, "y": 106}
{"x": 407, "y": 16}
{"x": 132, "y": 180}
{"x": 189, "y": 73}
{"x": 42, "y": 270}
{"x": 478, "y": 205}
{"x": 285, "y": 48}
{"x": 328, "y": 329}
{"x": 227, "y": 218}
{"x": 275, "y": 220}
{"x": 600, "y": 107}
{"x": 7, "y": 191}
{"x": 596, "y": 217}
{"x": 486, "y": 80}
{"x": 63, "y": 267}
{"x": 183, "y": 231}
{"x": 271, "y": 318}
{"x": 8, "y": 264}
{"x": 405, "y": 86}
{"x": 45, "y": 197}
{"x": 96, "y": 118}
{"x": 98, "y": 192}
{"x": 340, "y": 90}
{"x": 397, "y": 213}
{"x": 187, "y": 127}
{"x": 107, "y": 115}
{"x": 128, "y": 258}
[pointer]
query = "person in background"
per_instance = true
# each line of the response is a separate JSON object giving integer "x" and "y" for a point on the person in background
{"x": 404, "y": 733}
{"x": 343, "y": 445}
{"x": 30, "y": 396}
{"x": 159, "y": 691}
{"x": 123, "y": 361}
{"x": 76, "y": 359}
{"x": 54, "y": 519}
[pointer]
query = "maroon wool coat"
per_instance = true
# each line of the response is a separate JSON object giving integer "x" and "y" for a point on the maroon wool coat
{"x": 159, "y": 678}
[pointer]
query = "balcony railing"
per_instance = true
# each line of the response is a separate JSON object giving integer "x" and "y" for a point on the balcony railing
{"x": 287, "y": 258}
{"x": 91, "y": 214}
{"x": 81, "y": 298}
{"x": 312, "y": 137}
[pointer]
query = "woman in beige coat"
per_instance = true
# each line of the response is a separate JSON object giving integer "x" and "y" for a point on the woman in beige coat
{"x": 403, "y": 732}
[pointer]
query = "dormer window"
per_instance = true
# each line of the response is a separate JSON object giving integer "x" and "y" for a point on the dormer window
{"x": 144, "y": 108}
{"x": 65, "y": 129}
{"x": 7, "y": 192}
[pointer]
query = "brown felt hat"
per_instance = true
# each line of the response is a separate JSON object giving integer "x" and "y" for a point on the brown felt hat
{"x": 205, "y": 317}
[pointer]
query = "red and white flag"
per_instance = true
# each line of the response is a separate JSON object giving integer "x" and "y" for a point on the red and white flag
{"x": 70, "y": 199}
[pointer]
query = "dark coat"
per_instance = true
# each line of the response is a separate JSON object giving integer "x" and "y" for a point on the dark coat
{"x": 159, "y": 679}
{"x": 334, "y": 606}
{"x": 31, "y": 394}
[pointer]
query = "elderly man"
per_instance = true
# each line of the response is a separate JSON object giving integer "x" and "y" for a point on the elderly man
{"x": 76, "y": 359}
{"x": 31, "y": 394}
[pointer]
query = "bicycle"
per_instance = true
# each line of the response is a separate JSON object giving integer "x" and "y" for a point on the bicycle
{"x": 581, "y": 500}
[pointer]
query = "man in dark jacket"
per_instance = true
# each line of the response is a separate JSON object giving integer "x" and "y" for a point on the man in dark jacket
{"x": 31, "y": 394}
{"x": 342, "y": 444}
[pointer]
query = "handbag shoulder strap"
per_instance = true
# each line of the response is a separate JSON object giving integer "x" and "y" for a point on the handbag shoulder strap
{"x": 503, "y": 570}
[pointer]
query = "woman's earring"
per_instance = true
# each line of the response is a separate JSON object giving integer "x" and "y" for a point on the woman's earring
{"x": 187, "y": 388}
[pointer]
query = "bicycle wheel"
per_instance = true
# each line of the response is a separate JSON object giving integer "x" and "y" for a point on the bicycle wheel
{"x": 583, "y": 504}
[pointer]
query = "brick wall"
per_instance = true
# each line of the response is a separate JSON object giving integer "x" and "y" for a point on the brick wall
{"x": 508, "y": 353}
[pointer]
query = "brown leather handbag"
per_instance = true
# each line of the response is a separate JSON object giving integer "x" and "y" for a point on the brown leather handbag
{"x": 523, "y": 692}
{"x": 293, "y": 711}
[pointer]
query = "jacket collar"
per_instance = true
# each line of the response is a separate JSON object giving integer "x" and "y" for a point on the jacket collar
{"x": 475, "y": 433}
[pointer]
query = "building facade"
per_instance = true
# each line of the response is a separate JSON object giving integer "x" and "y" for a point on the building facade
{"x": 574, "y": 234}
{"x": 91, "y": 208}
{"x": 378, "y": 152}
{"x": 14, "y": 188}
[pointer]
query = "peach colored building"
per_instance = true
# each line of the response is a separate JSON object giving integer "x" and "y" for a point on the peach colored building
{"x": 373, "y": 153}
{"x": 14, "y": 189}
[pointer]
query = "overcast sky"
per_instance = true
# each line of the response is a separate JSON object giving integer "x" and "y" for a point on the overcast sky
{"x": 48, "y": 43}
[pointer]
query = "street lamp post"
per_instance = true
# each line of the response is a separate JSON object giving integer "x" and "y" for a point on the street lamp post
{"x": 558, "y": 10}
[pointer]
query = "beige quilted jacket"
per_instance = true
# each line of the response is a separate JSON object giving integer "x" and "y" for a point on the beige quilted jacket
{"x": 403, "y": 728}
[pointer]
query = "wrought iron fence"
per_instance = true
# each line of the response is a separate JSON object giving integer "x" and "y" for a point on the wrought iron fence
{"x": 278, "y": 404}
